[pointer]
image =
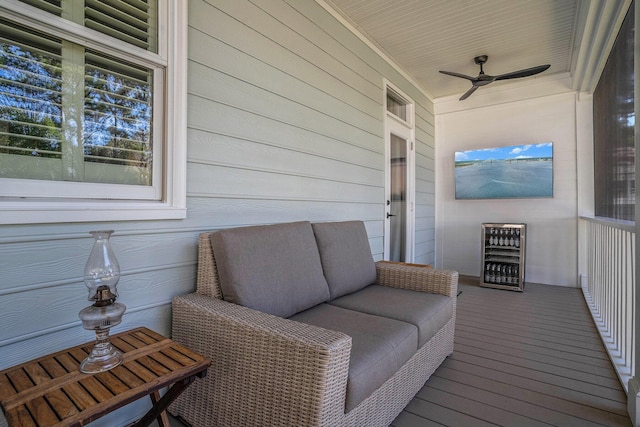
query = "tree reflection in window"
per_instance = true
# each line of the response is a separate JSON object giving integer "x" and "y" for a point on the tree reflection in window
{"x": 59, "y": 100}
{"x": 30, "y": 94}
{"x": 118, "y": 112}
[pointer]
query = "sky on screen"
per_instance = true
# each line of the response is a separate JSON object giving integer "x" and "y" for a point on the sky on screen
{"x": 512, "y": 152}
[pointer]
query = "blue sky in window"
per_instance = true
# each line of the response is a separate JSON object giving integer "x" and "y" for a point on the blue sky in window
{"x": 526, "y": 151}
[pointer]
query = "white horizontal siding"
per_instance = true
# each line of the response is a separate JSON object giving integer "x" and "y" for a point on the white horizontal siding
{"x": 285, "y": 123}
{"x": 248, "y": 29}
{"x": 218, "y": 212}
{"x": 222, "y": 151}
{"x": 249, "y": 125}
{"x": 229, "y": 91}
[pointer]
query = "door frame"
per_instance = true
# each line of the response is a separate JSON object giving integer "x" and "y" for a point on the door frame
{"x": 404, "y": 129}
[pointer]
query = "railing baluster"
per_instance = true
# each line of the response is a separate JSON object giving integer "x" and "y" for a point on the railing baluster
{"x": 632, "y": 299}
{"x": 608, "y": 251}
{"x": 616, "y": 313}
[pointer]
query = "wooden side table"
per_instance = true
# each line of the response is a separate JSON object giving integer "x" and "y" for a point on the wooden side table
{"x": 51, "y": 391}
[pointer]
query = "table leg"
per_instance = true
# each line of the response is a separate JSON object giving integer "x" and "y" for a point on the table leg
{"x": 161, "y": 405}
{"x": 163, "y": 418}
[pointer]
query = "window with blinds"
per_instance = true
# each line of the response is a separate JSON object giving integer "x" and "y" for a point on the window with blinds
{"x": 73, "y": 111}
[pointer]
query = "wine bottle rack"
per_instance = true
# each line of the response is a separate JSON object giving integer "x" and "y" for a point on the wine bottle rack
{"x": 503, "y": 250}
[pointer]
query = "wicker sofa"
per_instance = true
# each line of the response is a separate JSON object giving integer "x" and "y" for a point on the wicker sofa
{"x": 303, "y": 328}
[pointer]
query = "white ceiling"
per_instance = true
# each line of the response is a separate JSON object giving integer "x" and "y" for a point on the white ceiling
{"x": 424, "y": 36}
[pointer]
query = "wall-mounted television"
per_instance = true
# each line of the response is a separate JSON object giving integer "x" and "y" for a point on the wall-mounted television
{"x": 516, "y": 171}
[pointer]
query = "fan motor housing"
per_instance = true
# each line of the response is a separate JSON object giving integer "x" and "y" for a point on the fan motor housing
{"x": 481, "y": 59}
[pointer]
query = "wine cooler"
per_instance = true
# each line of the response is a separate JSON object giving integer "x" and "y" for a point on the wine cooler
{"x": 503, "y": 248}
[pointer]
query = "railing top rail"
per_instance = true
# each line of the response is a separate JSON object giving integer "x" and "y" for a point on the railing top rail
{"x": 629, "y": 226}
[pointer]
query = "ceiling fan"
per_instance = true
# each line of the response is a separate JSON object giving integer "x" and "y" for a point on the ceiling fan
{"x": 484, "y": 79}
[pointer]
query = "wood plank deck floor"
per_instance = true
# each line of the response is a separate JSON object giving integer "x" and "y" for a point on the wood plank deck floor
{"x": 520, "y": 359}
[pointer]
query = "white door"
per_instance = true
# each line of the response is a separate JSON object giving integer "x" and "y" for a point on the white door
{"x": 399, "y": 203}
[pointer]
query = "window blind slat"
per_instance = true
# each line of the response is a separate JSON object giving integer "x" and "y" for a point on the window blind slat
{"x": 49, "y": 67}
{"x": 92, "y": 116}
{"x": 93, "y": 78}
{"x": 24, "y": 38}
{"x": 130, "y": 141}
{"x": 25, "y": 113}
{"x": 34, "y": 77}
{"x": 35, "y": 138}
{"x": 118, "y": 24}
{"x": 27, "y": 151}
{"x": 133, "y": 16}
{"x": 51, "y": 6}
{"x": 140, "y": 4}
{"x": 129, "y": 9}
{"x": 27, "y": 98}
{"x": 116, "y": 67}
{"x": 124, "y": 94}
{"x": 97, "y": 106}
{"x": 127, "y": 21}
{"x": 119, "y": 35}
{"x": 123, "y": 162}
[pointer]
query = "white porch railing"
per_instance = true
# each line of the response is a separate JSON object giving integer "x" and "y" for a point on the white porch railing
{"x": 608, "y": 255}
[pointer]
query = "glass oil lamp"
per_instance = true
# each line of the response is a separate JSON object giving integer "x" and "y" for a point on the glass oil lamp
{"x": 101, "y": 275}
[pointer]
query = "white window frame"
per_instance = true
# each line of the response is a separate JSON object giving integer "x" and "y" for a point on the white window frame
{"x": 33, "y": 202}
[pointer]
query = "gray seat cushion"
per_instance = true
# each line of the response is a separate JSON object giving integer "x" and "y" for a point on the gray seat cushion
{"x": 380, "y": 346}
{"x": 346, "y": 256}
{"x": 273, "y": 268}
{"x": 428, "y": 312}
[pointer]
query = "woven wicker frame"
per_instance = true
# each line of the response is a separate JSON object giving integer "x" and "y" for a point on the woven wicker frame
{"x": 270, "y": 371}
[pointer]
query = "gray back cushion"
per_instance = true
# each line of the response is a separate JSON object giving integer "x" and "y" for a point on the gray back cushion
{"x": 346, "y": 256}
{"x": 274, "y": 268}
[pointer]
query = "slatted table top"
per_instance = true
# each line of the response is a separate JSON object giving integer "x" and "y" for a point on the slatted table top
{"x": 51, "y": 391}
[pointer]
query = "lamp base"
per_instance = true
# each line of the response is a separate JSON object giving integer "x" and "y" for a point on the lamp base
{"x": 103, "y": 356}
{"x": 94, "y": 364}
{"x": 100, "y": 319}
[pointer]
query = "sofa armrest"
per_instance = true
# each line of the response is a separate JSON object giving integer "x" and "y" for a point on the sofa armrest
{"x": 263, "y": 367}
{"x": 417, "y": 278}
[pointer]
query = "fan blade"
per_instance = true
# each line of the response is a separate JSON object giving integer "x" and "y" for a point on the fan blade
{"x": 522, "y": 73}
{"x": 468, "y": 93}
{"x": 462, "y": 76}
